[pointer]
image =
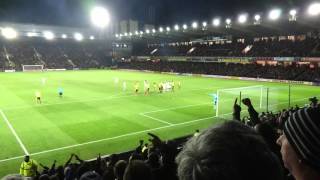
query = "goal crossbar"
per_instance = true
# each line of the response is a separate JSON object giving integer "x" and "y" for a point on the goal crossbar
{"x": 32, "y": 68}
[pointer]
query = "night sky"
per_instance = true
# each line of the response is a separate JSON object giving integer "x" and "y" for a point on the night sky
{"x": 167, "y": 12}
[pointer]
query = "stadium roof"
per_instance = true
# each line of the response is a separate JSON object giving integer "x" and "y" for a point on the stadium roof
{"x": 264, "y": 29}
{"x": 75, "y": 12}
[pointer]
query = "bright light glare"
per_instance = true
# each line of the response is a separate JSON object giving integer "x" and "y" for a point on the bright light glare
{"x": 141, "y": 32}
{"x": 216, "y": 22}
{"x": 293, "y": 12}
{"x": 161, "y": 29}
{"x": 314, "y": 9}
{"x": 147, "y": 31}
{"x": 48, "y": 35}
{"x": 274, "y": 14}
{"x": 242, "y": 18}
{"x": 9, "y": 33}
{"x": 64, "y": 36}
{"x": 185, "y": 27}
{"x": 228, "y": 21}
{"x": 100, "y": 17}
{"x": 194, "y": 25}
{"x": 31, "y": 34}
{"x": 168, "y": 29}
{"x": 176, "y": 27}
{"x": 78, "y": 36}
{"x": 125, "y": 34}
{"x": 130, "y": 34}
{"x": 137, "y": 33}
{"x": 92, "y": 37}
{"x": 154, "y": 31}
{"x": 204, "y": 24}
{"x": 257, "y": 17}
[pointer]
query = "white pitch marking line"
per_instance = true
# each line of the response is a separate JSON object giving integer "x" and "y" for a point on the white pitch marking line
{"x": 107, "y": 139}
{"x": 156, "y": 119}
{"x": 14, "y": 132}
{"x": 116, "y": 137}
{"x": 179, "y": 107}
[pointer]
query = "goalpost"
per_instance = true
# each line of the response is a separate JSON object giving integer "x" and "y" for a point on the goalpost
{"x": 226, "y": 98}
{"x": 28, "y": 68}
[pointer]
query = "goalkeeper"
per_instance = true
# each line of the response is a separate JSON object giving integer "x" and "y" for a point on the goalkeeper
{"x": 60, "y": 92}
{"x": 214, "y": 100}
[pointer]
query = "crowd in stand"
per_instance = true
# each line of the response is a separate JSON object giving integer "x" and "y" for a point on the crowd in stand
{"x": 267, "y": 146}
{"x": 54, "y": 54}
{"x": 289, "y": 72}
{"x": 309, "y": 47}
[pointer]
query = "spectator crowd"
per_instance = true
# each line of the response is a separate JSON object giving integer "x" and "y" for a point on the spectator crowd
{"x": 308, "y": 47}
{"x": 290, "y": 72}
{"x": 54, "y": 54}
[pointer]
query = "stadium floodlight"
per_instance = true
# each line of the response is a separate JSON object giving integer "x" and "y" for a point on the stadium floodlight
{"x": 194, "y": 25}
{"x": 130, "y": 34}
{"x": 216, "y": 22}
{"x": 204, "y": 24}
{"x": 100, "y": 17}
{"x": 64, "y": 36}
{"x": 293, "y": 12}
{"x": 141, "y": 32}
{"x": 154, "y": 31}
{"x": 148, "y": 31}
{"x": 293, "y": 15}
{"x": 120, "y": 35}
{"x": 48, "y": 35}
{"x": 176, "y": 27}
{"x": 168, "y": 29}
{"x": 9, "y": 33}
{"x": 117, "y": 35}
{"x": 314, "y": 9}
{"x": 275, "y": 14}
{"x": 161, "y": 29}
{"x": 92, "y": 37}
{"x": 125, "y": 34}
{"x": 242, "y": 18}
{"x": 228, "y": 21}
{"x": 78, "y": 36}
{"x": 137, "y": 33}
{"x": 32, "y": 34}
{"x": 185, "y": 27}
{"x": 257, "y": 17}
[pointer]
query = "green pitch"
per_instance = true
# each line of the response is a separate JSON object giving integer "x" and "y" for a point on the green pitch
{"x": 96, "y": 116}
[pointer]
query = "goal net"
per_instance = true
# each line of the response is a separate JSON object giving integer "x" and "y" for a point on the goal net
{"x": 28, "y": 68}
{"x": 226, "y": 98}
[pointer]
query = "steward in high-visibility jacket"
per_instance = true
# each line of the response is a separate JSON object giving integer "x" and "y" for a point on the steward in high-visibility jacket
{"x": 28, "y": 167}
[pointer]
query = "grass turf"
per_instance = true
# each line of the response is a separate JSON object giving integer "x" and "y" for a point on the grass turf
{"x": 96, "y": 116}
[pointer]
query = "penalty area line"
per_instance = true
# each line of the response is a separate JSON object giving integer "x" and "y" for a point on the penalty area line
{"x": 156, "y": 119}
{"x": 4, "y": 117}
{"x": 108, "y": 139}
